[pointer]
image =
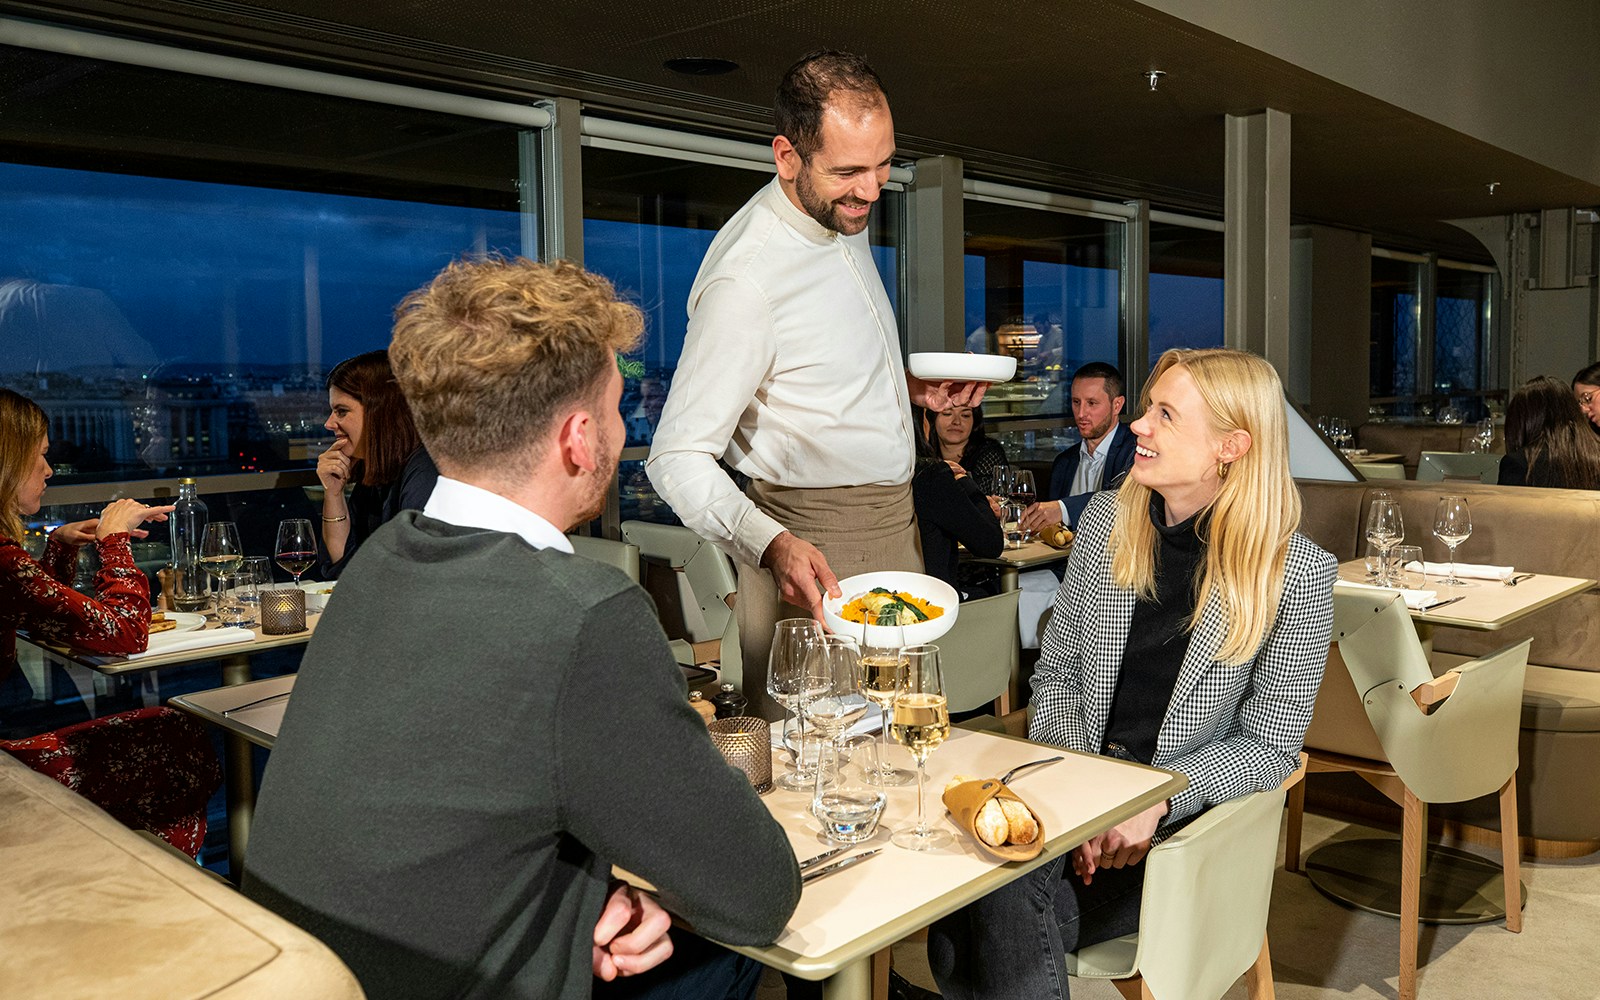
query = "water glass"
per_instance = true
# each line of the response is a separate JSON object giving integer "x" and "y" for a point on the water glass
{"x": 258, "y": 570}
{"x": 845, "y": 801}
{"x": 1405, "y": 567}
{"x": 233, "y": 607}
{"x": 1013, "y": 525}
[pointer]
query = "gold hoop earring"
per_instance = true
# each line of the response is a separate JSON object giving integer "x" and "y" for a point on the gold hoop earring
{"x": 1222, "y": 469}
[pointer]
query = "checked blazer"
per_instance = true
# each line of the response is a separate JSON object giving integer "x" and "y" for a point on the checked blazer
{"x": 1230, "y": 729}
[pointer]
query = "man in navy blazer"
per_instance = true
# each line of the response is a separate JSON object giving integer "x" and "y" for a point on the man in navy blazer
{"x": 1102, "y": 459}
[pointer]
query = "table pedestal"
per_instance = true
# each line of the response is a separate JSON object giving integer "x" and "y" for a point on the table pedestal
{"x": 241, "y": 778}
{"x": 1457, "y": 887}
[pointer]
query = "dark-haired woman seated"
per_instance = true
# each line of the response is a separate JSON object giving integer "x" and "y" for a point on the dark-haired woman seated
{"x": 1586, "y": 387}
{"x": 1190, "y": 633}
{"x": 37, "y": 595}
{"x": 375, "y": 445}
{"x": 1549, "y": 441}
{"x": 952, "y": 511}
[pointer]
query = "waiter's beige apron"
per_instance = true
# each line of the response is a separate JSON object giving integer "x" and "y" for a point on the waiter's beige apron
{"x": 858, "y": 529}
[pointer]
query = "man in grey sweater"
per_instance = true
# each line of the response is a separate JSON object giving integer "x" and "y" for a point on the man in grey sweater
{"x": 486, "y": 723}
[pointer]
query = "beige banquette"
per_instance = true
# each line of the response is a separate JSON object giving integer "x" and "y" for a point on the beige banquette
{"x": 1537, "y": 531}
{"x": 89, "y": 908}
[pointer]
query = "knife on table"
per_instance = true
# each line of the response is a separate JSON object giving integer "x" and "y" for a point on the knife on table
{"x": 838, "y": 866}
{"x": 1439, "y": 604}
{"x": 819, "y": 859}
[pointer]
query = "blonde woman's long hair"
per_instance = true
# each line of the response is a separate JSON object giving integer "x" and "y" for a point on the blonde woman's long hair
{"x": 23, "y": 427}
{"x": 1256, "y": 509}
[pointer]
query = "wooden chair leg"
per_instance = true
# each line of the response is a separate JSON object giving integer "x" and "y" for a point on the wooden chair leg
{"x": 881, "y": 961}
{"x": 1133, "y": 988}
{"x": 1511, "y": 854}
{"x": 1296, "y": 823}
{"x": 1413, "y": 841}
{"x": 1258, "y": 978}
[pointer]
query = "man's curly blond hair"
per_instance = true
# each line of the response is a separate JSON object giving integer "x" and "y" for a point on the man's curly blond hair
{"x": 492, "y": 351}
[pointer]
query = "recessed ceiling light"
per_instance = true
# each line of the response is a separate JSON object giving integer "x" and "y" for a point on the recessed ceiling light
{"x": 700, "y": 66}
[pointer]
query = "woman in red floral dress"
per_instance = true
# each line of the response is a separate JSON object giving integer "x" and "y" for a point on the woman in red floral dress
{"x": 37, "y": 595}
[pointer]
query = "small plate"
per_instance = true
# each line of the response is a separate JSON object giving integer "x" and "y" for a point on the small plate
{"x": 317, "y": 593}
{"x": 188, "y": 621}
{"x": 946, "y": 367}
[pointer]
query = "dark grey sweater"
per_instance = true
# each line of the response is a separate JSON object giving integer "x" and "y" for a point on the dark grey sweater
{"x": 478, "y": 732}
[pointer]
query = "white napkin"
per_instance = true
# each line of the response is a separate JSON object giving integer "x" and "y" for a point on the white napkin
{"x": 1416, "y": 600}
{"x": 1469, "y": 570}
{"x": 176, "y": 642}
{"x": 868, "y": 725}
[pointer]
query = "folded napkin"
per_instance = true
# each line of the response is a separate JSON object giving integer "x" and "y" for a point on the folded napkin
{"x": 868, "y": 725}
{"x": 1468, "y": 570}
{"x": 176, "y": 642}
{"x": 1416, "y": 600}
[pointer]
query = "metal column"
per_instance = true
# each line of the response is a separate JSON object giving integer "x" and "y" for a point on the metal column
{"x": 560, "y": 172}
{"x": 935, "y": 238}
{"x": 1136, "y": 299}
{"x": 1256, "y": 235}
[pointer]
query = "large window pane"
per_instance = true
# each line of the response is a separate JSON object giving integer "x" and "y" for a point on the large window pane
{"x": 1046, "y": 288}
{"x": 1396, "y": 313}
{"x": 1185, "y": 288}
{"x": 648, "y": 222}
{"x": 184, "y": 257}
{"x": 1458, "y": 327}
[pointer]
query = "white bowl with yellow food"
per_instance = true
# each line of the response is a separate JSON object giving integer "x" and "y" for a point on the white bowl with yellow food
{"x": 923, "y": 606}
{"x": 317, "y": 593}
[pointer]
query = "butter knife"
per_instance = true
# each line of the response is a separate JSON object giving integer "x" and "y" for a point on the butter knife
{"x": 838, "y": 866}
{"x": 1439, "y": 604}
{"x": 819, "y": 859}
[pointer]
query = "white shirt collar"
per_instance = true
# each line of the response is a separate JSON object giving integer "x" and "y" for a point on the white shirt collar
{"x": 1099, "y": 453}
{"x": 794, "y": 218}
{"x": 468, "y": 506}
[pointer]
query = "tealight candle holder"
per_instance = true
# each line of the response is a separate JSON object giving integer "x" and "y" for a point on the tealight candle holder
{"x": 746, "y": 743}
{"x": 283, "y": 612}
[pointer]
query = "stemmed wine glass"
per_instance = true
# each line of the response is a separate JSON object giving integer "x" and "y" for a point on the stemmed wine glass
{"x": 1022, "y": 494}
{"x": 1452, "y": 525}
{"x": 847, "y": 808}
{"x": 221, "y": 555}
{"x": 1385, "y": 529}
{"x": 296, "y": 549}
{"x": 789, "y": 684}
{"x": 921, "y": 722}
{"x": 1000, "y": 480}
{"x": 881, "y": 664}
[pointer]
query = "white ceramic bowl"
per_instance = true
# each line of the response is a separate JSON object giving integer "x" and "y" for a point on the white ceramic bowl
{"x": 317, "y": 593}
{"x": 945, "y": 367}
{"x": 930, "y": 589}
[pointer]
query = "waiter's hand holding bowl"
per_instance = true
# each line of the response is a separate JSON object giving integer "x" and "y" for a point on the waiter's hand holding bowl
{"x": 798, "y": 567}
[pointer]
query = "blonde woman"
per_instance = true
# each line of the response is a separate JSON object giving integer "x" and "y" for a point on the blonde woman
{"x": 1190, "y": 633}
{"x": 37, "y": 595}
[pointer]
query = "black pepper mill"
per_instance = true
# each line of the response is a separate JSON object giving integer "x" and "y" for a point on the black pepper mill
{"x": 730, "y": 703}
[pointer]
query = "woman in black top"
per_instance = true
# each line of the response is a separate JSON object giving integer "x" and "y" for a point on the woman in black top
{"x": 951, "y": 509}
{"x": 1548, "y": 440}
{"x": 1586, "y": 387}
{"x": 956, "y": 435}
{"x": 1190, "y": 633}
{"x": 375, "y": 446}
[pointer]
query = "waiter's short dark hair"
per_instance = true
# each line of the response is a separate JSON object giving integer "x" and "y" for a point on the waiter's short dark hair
{"x": 1099, "y": 369}
{"x": 807, "y": 87}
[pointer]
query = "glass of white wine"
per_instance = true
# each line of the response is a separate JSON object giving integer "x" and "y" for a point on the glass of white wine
{"x": 879, "y": 679}
{"x": 221, "y": 555}
{"x": 921, "y": 722}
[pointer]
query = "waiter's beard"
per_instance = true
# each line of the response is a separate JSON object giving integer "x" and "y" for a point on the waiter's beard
{"x": 827, "y": 212}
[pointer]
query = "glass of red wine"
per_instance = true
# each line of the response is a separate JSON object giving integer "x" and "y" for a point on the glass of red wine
{"x": 297, "y": 546}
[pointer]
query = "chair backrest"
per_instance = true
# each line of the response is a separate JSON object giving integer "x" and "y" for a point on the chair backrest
{"x": 1207, "y": 889}
{"x": 979, "y": 655}
{"x": 1467, "y": 746}
{"x": 1381, "y": 470}
{"x": 619, "y": 554}
{"x": 709, "y": 571}
{"x": 1435, "y": 466}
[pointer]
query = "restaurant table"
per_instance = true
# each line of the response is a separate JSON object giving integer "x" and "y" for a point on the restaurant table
{"x": 844, "y": 919}
{"x": 235, "y": 662}
{"x": 1032, "y": 555}
{"x": 1375, "y": 456}
{"x": 1457, "y": 887}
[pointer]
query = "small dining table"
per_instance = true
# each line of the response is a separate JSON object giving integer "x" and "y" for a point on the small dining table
{"x": 1457, "y": 887}
{"x": 234, "y": 659}
{"x": 1032, "y": 554}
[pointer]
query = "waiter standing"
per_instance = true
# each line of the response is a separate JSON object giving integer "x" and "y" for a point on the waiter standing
{"x": 792, "y": 373}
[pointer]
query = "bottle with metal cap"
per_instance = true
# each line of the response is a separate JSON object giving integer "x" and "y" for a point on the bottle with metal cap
{"x": 191, "y": 589}
{"x": 730, "y": 703}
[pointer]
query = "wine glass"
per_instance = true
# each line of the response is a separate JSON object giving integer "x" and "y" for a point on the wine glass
{"x": 788, "y": 683}
{"x": 920, "y": 723}
{"x": 835, "y": 701}
{"x": 1484, "y": 438}
{"x": 1022, "y": 486}
{"x": 297, "y": 547}
{"x": 220, "y": 556}
{"x": 1452, "y": 525}
{"x": 1385, "y": 529}
{"x": 879, "y": 678}
{"x": 1000, "y": 480}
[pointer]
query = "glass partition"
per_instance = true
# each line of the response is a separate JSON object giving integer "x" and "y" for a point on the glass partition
{"x": 1396, "y": 336}
{"x": 185, "y": 257}
{"x": 1185, "y": 288}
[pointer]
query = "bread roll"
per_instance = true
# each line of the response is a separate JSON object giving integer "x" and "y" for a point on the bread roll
{"x": 162, "y": 625}
{"x": 1022, "y": 828}
{"x": 958, "y": 780}
{"x": 991, "y": 824}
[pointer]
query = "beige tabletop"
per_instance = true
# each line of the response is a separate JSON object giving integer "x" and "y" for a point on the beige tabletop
{"x": 1375, "y": 456}
{"x": 1487, "y": 605}
{"x": 254, "y": 710}
{"x": 842, "y": 920}
{"x": 115, "y": 665}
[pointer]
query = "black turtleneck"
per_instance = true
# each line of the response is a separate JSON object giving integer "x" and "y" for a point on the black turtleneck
{"x": 1158, "y": 638}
